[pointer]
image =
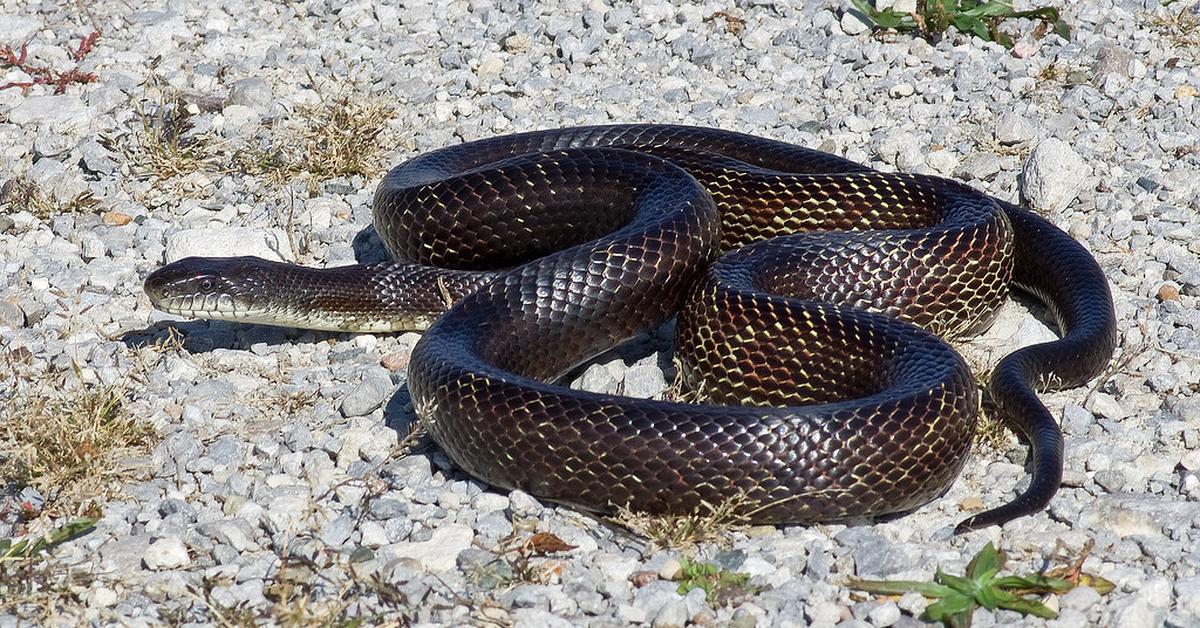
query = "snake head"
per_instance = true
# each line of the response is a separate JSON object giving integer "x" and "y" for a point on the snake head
{"x": 225, "y": 288}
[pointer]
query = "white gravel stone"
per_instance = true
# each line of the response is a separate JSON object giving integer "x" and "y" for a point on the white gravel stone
{"x": 1054, "y": 175}
{"x": 373, "y": 534}
{"x": 18, "y": 28}
{"x": 631, "y": 614}
{"x": 885, "y": 614}
{"x": 670, "y": 569}
{"x": 165, "y": 554}
{"x": 289, "y": 514}
{"x": 101, "y": 597}
{"x": 11, "y": 315}
{"x": 368, "y": 396}
{"x": 853, "y": 24}
{"x": 1136, "y": 613}
{"x": 438, "y": 554}
{"x": 1187, "y": 595}
{"x": 644, "y": 381}
{"x": 1014, "y": 128}
{"x": 1103, "y": 404}
{"x": 253, "y": 92}
{"x": 63, "y": 113}
{"x": 673, "y": 614}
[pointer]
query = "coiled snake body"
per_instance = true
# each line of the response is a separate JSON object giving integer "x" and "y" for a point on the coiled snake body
{"x": 821, "y": 401}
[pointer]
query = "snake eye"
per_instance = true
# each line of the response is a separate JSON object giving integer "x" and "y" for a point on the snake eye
{"x": 206, "y": 285}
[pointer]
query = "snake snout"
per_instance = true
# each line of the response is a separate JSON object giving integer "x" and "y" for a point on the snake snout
{"x": 207, "y": 287}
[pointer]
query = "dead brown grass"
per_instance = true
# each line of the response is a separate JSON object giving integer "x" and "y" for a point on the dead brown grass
{"x": 325, "y": 591}
{"x": 1181, "y": 27}
{"x": 339, "y": 137}
{"x": 992, "y": 434}
{"x": 21, "y": 194}
{"x": 163, "y": 149}
{"x": 69, "y": 444}
{"x": 34, "y": 588}
{"x": 710, "y": 523}
{"x": 39, "y": 590}
{"x": 72, "y": 442}
{"x": 68, "y": 439}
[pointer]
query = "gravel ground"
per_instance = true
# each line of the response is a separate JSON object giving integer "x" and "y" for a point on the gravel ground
{"x": 273, "y": 483}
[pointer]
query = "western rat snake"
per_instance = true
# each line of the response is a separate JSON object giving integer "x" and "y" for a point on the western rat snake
{"x": 554, "y": 246}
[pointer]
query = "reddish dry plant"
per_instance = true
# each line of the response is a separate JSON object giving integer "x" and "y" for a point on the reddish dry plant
{"x": 44, "y": 75}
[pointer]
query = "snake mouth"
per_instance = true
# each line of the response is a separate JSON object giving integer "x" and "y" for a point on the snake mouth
{"x": 221, "y": 307}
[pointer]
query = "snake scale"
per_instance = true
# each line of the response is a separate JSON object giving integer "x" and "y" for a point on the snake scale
{"x": 813, "y": 341}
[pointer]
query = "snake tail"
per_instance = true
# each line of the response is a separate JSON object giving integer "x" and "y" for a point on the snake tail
{"x": 1060, "y": 273}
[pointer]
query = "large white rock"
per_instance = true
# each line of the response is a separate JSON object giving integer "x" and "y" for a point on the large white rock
{"x": 166, "y": 553}
{"x": 439, "y": 553}
{"x": 1054, "y": 174}
{"x": 269, "y": 244}
{"x": 64, "y": 114}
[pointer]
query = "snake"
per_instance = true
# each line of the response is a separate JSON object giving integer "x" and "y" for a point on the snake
{"x": 812, "y": 299}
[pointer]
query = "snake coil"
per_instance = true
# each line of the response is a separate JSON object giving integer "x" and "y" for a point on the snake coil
{"x": 814, "y": 339}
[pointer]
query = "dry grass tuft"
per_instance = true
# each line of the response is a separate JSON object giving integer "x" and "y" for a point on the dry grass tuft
{"x": 71, "y": 440}
{"x": 992, "y": 434}
{"x": 38, "y": 591}
{"x": 336, "y": 138}
{"x": 709, "y": 523}
{"x": 163, "y": 149}
{"x": 69, "y": 445}
{"x": 1182, "y": 27}
{"x": 33, "y": 588}
{"x": 21, "y": 194}
{"x": 308, "y": 592}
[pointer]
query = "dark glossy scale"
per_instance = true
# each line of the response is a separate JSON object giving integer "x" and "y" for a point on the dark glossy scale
{"x": 823, "y": 399}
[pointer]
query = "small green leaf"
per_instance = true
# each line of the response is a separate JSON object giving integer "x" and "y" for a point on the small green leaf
{"x": 986, "y": 559}
{"x": 958, "y": 583}
{"x": 960, "y": 620}
{"x": 899, "y": 587}
{"x": 972, "y": 25}
{"x": 888, "y": 18}
{"x": 1027, "y": 606}
{"x": 863, "y": 7}
{"x": 1103, "y": 586}
{"x": 1034, "y": 583}
{"x": 990, "y": 597}
{"x": 26, "y": 548}
{"x": 952, "y": 604}
{"x": 1062, "y": 30}
{"x": 992, "y": 9}
{"x": 15, "y": 550}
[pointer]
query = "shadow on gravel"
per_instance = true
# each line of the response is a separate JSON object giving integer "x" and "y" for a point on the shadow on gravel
{"x": 368, "y": 248}
{"x": 398, "y": 412}
{"x": 199, "y": 336}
